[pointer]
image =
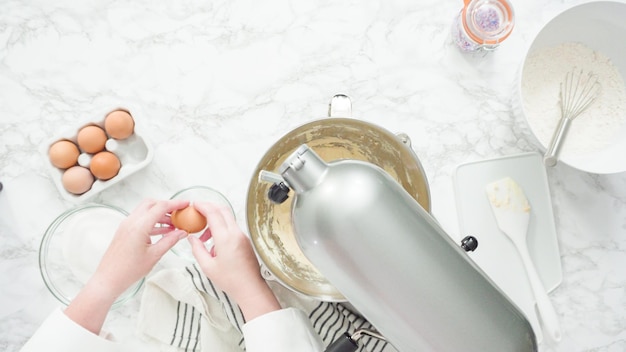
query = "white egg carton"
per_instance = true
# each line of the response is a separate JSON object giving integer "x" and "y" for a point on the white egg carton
{"x": 134, "y": 152}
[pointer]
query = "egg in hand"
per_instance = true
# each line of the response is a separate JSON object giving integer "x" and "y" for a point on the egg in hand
{"x": 188, "y": 219}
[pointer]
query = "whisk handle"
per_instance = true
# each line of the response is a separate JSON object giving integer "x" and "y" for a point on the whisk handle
{"x": 552, "y": 154}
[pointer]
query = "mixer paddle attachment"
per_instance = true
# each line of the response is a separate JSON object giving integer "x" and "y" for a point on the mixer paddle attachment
{"x": 348, "y": 343}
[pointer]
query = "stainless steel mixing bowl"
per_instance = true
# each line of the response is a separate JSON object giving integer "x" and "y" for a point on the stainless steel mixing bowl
{"x": 332, "y": 138}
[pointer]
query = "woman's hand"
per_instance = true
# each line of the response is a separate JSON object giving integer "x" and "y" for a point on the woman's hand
{"x": 130, "y": 256}
{"x": 231, "y": 264}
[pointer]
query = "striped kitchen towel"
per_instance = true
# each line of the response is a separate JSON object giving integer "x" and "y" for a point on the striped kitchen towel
{"x": 183, "y": 310}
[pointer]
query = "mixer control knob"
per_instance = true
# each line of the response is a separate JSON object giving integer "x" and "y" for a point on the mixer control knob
{"x": 469, "y": 243}
{"x": 278, "y": 193}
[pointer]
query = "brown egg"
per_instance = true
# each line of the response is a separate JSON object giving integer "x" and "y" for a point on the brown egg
{"x": 91, "y": 139}
{"x": 63, "y": 154}
{"x": 77, "y": 180}
{"x": 105, "y": 165}
{"x": 119, "y": 124}
{"x": 188, "y": 219}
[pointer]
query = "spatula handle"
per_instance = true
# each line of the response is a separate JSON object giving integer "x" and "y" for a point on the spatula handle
{"x": 549, "y": 319}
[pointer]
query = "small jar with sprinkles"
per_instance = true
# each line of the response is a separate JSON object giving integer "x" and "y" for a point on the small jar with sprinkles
{"x": 483, "y": 24}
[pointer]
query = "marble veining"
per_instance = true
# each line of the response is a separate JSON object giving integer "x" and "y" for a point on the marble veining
{"x": 218, "y": 82}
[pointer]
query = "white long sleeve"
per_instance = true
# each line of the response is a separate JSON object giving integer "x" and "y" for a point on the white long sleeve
{"x": 60, "y": 333}
{"x": 283, "y": 330}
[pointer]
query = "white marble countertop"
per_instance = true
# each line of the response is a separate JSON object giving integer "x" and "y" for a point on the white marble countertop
{"x": 219, "y": 81}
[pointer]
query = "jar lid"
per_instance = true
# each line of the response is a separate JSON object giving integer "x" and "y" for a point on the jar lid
{"x": 488, "y": 21}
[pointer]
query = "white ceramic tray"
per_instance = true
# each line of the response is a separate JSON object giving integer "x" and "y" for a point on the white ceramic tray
{"x": 496, "y": 255}
{"x": 134, "y": 153}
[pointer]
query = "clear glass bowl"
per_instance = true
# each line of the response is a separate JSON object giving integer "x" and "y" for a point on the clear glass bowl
{"x": 198, "y": 194}
{"x": 72, "y": 247}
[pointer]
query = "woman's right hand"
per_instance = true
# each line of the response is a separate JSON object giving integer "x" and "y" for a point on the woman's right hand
{"x": 231, "y": 264}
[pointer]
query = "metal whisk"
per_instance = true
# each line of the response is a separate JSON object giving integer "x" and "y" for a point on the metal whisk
{"x": 578, "y": 91}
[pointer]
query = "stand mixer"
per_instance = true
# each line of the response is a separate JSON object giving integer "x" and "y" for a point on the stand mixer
{"x": 392, "y": 261}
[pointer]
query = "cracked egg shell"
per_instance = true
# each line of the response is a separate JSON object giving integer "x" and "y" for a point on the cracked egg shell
{"x": 189, "y": 219}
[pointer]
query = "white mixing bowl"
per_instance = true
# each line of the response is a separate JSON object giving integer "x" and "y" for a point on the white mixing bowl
{"x": 600, "y": 26}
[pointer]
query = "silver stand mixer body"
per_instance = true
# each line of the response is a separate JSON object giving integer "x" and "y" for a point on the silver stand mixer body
{"x": 394, "y": 263}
